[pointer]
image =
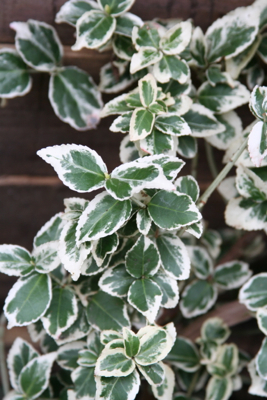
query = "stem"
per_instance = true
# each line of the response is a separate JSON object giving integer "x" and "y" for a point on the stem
{"x": 3, "y": 368}
{"x": 205, "y": 196}
{"x": 192, "y": 384}
{"x": 194, "y": 166}
{"x": 211, "y": 160}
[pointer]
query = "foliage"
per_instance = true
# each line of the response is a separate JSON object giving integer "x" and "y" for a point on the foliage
{"x": 95, "y": 288}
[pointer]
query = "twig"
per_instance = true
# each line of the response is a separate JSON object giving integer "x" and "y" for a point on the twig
{"x": 3, "y": 368}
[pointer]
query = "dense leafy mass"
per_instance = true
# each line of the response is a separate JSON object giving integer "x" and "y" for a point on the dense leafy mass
{"x": 96, "y": 289}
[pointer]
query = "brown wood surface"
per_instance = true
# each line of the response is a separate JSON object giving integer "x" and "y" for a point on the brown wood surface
{"x": 29, "y": 190}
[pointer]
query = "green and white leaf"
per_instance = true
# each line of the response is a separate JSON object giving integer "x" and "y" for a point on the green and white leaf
{"x": 142, "y": 260}
{"x": 109, "y": 335}
{"x": 226, "y": 361}
{"x": 212, "y": 240}
{"x": 145, "y": 57}
{"x": 62, "y": 312}
{"x": 246, "y": 214}
{"x": 127, "y": 387}
{"x": 121, "y": 123}
{"x": 262, "y": 49}
{"x": 79, "y": 167}
{"x": 107, "y": 312}
{"x": 215, "y": 76}
{"x": 182, "y": 104}
{"x": 104, "y": 246}
{"x": 187, "y": 146}
{"x": 172, "y": 125}
{"x": 115, "y": 106}
{"x": 147, "y": 90}
{"x": 195, "y": 229}
{"x": 128, "y": 150}
{"x": 146, "y": 296}
{"x": 215, "y": 330}
{"x": 158, "y": 143}
{"x": 188, "y": 185}
{"x": 154, "y": 374}
{"x": 171, "y": 210}
{"x": 201, "y": 261}
{"x": 89, "y": 356}
{"x": 262, "y": 319}
{"x": 113, "y": 79}
{"x": 50, "y": 231}
{"x": 155, "y": 344}
{"x": 123, "y": 47}
{"x": 171, "y": 67}
{"x": 126, "y": 22}
{"x": 14, "y": 77}
{"x": 258, "y": 385}
{"x": 198, "y": 297}
{"x": 72, "y": 10}
{"x": 34, "y": 377}
{"x": 90, "y": 267}
{"x": 84, "y": 382}
{"x": 255, "y": 76}
{"x": 147, "y": 35}
{"x": 219, "y": 388}
{"x": 15, "y": 260}
{"x": 257, "y": 104}
{"x": 184, "y": 355}
{"x": 46, "y": 257}
{"x": 231, "y": 34}
{"x": 103, "y": 216}
{"x": 143, "y": 221}
{"x": 257, "y": 143}
{"x": 117, "y": 7}
{"x": 176, "y": 39}
{"x": 171, "y": 165}
{"x": 19, "y": 355}
{"x": 174, "y": 256}
{"x": 232, "y": 275}
{"x": 28, "y": 299}
{"x": 93, "y": 29}
{"x": 116, "y": 281}
{"x": 223, "y": 98}
{"x": 254, "y": 292}
{"x": 68, "y": 354}
{"x": 114, "y": 362}
{"x": 38, "y": 44}
{"x": 232, "y": 129}
{"x": 141, "y": 124}
{"x": 168, "y": 287}
{"x": 198, "y": 47}
{"x": 202, "y": 122}
{"x": 165, "y": 390}
{"x": 131, "y": 342}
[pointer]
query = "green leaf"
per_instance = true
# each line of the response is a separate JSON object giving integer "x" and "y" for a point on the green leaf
{"x": 232, "y": 275}
{"x": 198, "y": 297}
{"x": 38, "y": 44}
{"x": 157, "y": 143}
{"x": 72, "y": 10}
{"x": 257, "y": 102}
{"x": 172, "y": 125}
{"x": 165, "y": 390}
{"x": 145, "y": 295}
{"x": 168, "y": 287}
{"x": 231, "y": 34}
{"x": 142, "y": 260}
{"x": 201, "y": 261}
{"x": 215, "y": 76}
{"x": 173, "y": 255}
{"x": 20, "y": 354}
{"x": 15, "y": 260}
{"x": 131, "y": 342}
{"x": 219, "y": 389}
{"x": 257, "y": 143}
{"x": 133, "y": 99}
{"x": 146, "y": 36}
{"x": 50, "y": 231}
{"x": 89, "y": 356}
{"x": 143, "y": 221}
{"x": 202, "y": 122}
{"x": 155, "y": 344}
{"x": 188, "y": 185}
{"x": 198, "y": 47}
{"x": 154, "y": 373}
{"x": 68, "y": 354}
{"x": 94, "y": 29}
{"x": 177, "y": 38}
{"x": 28, "y": 299}
{"x": 84, "y": 382}
{"x": 113, "y": 79}
{"x": 116, "y": 7}
{"x": 34, "y": 377}
{"x": 123, "y": 47}
{"x": 109, "y": 335}
{"x": 107, "y": 312}
{"x": 104, "y": 246}
{"x": 79, "y": 167}
{"x": 187, "y": 146}
{"x": 62, "y": 312}
{"x": 184, "y": 355}
{"x": 255, "y": 76}
{"x": 262, "y": 49}
{"x": 75, "y": 98}
{"x": 262, "y": 319}
{"x": 258, "y": 385}
{"x": 103, "y": 216}
{"x": 226, "y": 361}
{"x": 212, "y": 241}
{"x": 222, "y": 98}
{"x": 146, "y": 56}
{"x": 254, "y": 292}
{"x": 141, "y": 124}
{"x": 126, "y": 22}
{"x": 14, "y": 77}
{"x": 114, "y": 362}
{"x": 116, "y": 106}
{"x": 148, "y": 90}
{"x": 119, "y": 388}
{"x": 261, "y": 359}
{"x": 46, "y": 257}
{"x": 171, "y": 165}
{"x": 215, "y": 330}
{"x": 116, "y": 281}
{"x": 170, "y": 210}
{"x": 171, "y": 67}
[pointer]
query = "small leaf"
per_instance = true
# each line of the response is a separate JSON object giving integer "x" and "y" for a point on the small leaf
{"x": 198, "y": 47}
{"x": 168, "y": 287}
{"x": 165, "y": 390}
{"x": 14, "y": 77}
{"x": 232, "y": 275}
{"x": 145, "y": 36}
{"x": 126, "y": 386}
{"x": 171, "y": 67}
{"x": 184, "y": 355}
{"x": 103, "y": 216}
{"x": 257, "y": 143}
{"x": 177, "y": 38}
{"x": 187, "y": 146}
{"x": 188, "y": 185}
{"x": 258, "y": 385}
{"x": 116, "y": 106}
{"x": 198, "y": 297}
{"x": 94, "y": 29}
{"x": 46, "y": 257}
{"x": 146, "y": 56}
{"x": 113, "y": 362}
{"x": 254, "y": 292}
{"x": 126, "y": 22}
{"x": 172, "y": 125}
{"x": 50, "y": 231}
{"x": 68, "y": 354}
{"x": 215, "y": 330}
{"x": 158, "y": 143}
{"x": 141, "y": 124}
{"x": 201, "y": 261}
{"x": 72, "y": 10}
{"x": 131, "y": 342}
{"x": 262, "y": 319}
{"x": 84, "y": 382}
{"x": 38, "y": 44}
{"x": 257, "y": 104}
{"x": 219, "y": 389}
{"x": 123, "y": 47}
{"x": 202, "y": 121}
{"x": 116, "y": 7}
{"x": 142, "y": 260}
{"x": 116, "y": 281}
{"x": 114, "y": 80}
{"x": 148, "y": 90}
{"x": 143, "y": 221}
{"x": 109, "y": 335}
{"x": 79, "y": 167}
{"x": 15, "y": 260}
{"x": 107, "y": 312}
{"x": 154, "y": 373}
{"x": 28, "y": 299}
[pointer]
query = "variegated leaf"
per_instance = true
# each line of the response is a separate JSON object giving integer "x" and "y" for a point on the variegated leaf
{"x": 114, "y": 362}
{"x": 165, "y": 390}
{"x": 50, "y": 231}
{"x": 171, "y": 67}
{"x": 177, "y": 38}
{"x": 131, "y": 342}
{"x": 168, "y": 287}
{"x": 158, "y": 143}
{"x": 154, "y": 374}
{"x": 172, "y": 125}
{"x": 198, "y": 297}
{"x": 258, "y": 385}
{"x": 147, "y": 90}
{"x": 84, "y": 383}
{"x": 142, "y": 260}
{"x": 72, "y": 10}
{"x": 141, "y": 124}
{"x": 215, "y": 330}
{"x": 262, "y": 319}
{"x": 15, "y": 260}
{"x": 116, "y": 281}
{"x": 68, "y": 354}
{"x": 146, "y": 56}
{"x": 46, "y": 257}
{"x": 117, "y": 7}
{"x": 126, "y": 22}
{"x": 219, "y": 388}
{"x": 188, "y": 185}
{"x": 232, "y": 275}
{"x": 254, "y": 292}
{"x": 187, "y": 146}
{"x": 126, "y": 386}
{"x": 184, "y": 355}
{"x": 246, "y": 214}
{"x": 257, "y": 143}
{"x": 198, "y": 47}
{"x": 202, "y": 121}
